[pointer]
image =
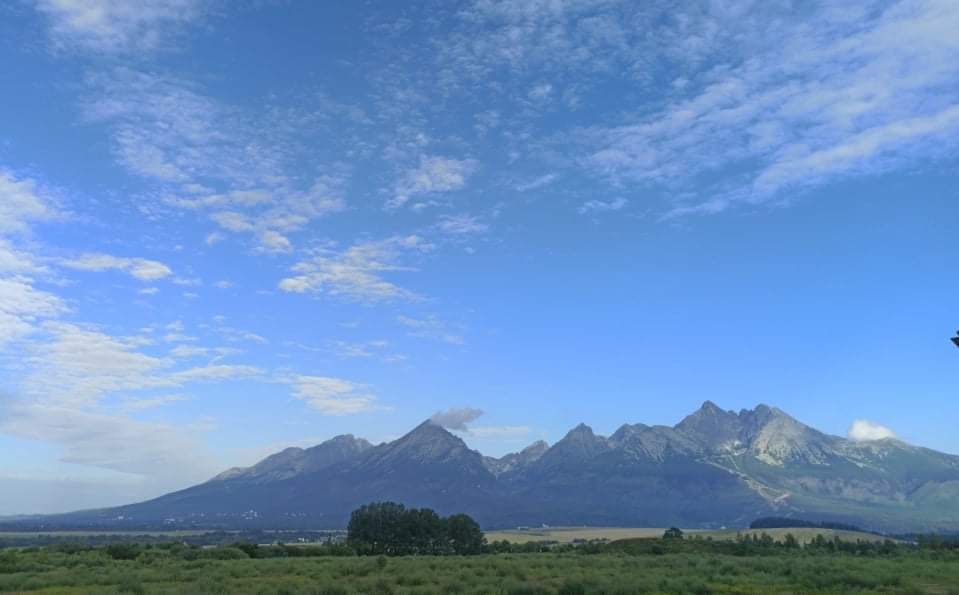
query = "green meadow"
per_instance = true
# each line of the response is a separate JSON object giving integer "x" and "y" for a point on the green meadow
{"x": 629, "y": 566}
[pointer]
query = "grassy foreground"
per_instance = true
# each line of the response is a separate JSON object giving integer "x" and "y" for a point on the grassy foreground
{"x": 52, "y": 572}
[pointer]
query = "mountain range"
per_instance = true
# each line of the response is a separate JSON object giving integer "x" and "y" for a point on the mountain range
{"x": 714, "y": 468}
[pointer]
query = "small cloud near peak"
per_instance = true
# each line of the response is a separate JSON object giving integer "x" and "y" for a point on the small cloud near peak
{"x": 456, "y": 418}
{"x": 863, "y": 430}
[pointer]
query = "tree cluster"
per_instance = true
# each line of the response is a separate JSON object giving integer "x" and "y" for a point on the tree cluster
{"x": 775, "y": 522}
{"x": 392, "y": 529}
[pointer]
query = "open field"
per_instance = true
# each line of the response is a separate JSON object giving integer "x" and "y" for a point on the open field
{"x": 571, "y": 534}
{"x": 54, "y": 573}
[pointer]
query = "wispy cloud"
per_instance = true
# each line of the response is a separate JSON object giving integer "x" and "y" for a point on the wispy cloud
{"x": 433, "y": 175}
{"x": 846, "y": 91}
{"x": 599, "y": 206}
{"x": 116, "y": 25}
{"x": 350, "y": 349}
{"x": 143, "y": 403}
{"x": 430, "y": 327}
{"x": 456, "y": 418}
{"x": 21, "y": 306}
{"x": 334, "y": 396}
{"x": 357, "y": 273}
{"x": 71, "y": 371}
{"x": 140, "y": 268}
{"x": 544, "y": 180}
{"x": 462, "y": 224}
{"x": 23, "y": 202}
{"x": 168, "y": 130}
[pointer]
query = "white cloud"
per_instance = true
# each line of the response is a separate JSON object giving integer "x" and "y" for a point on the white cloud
{"x": 842, "y": 90}
{"x": 167, "y": 130}
{"x": 274, "y": 241}
{"x": 115, "y": 25}
{"x": 21, "y": 203}
{"x": 140, "y": 404}
{"x": 461, "y": 225}
{"x": 71, "y": 371}
{"x": 539, "y": 182}
{"x": 232, "y": 221}
{"x": 214, "y": 238}
{"x": 863, "y": 430}
{"x": 78, "y": 366}
{"x": 334, "y": 396}
{"x": 21, "y": 306}
{"x": 430, "y": 327}
{"x": 456, "y": 418}
{"x": 362, "y": 349}
{"x": 599, "y": 206}
{"x": 140, "y": 268}
{"x": 192, "y": 351}
{"x": 434, "y": 174}
{"x": 357, "y": 272}
{"x": 116, "y": 442}
{"x": 13, "y": 260}
{"x": 268, "y": 213}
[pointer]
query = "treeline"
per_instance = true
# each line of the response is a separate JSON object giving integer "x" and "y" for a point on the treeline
{"x": 776, "y": 522}
{"x": 201, "y": 539}
{"x": 757, "y": 545}
{"x": 744, "y": 546}
{"x": 392, "y": 529}
{"x": 938, "y": 542}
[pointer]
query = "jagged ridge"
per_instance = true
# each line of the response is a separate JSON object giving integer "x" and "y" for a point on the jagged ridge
{"x": 715, "y": 467}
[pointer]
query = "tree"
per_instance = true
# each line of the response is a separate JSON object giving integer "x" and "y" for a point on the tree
{"x": 464, "y": 535}
{"x": 673, "y": 533}
{"x": 377, "y": 528}
{"x": 394, "y": 530}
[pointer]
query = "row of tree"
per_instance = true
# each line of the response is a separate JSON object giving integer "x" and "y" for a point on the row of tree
{"x": 392, "y": 529}
{"x": 775, "y": 522}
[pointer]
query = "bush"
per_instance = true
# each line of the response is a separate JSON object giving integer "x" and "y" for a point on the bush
{"x": 223, "y": 553}
{"x": 123, "y": 551}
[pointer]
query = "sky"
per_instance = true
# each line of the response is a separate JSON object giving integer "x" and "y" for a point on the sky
{"x": 231, "y": 227}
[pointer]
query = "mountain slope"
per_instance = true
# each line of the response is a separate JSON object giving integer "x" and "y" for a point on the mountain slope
{"x": 713, "y": 468}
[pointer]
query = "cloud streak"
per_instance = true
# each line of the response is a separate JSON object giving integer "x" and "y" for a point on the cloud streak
{"x": 334, "y": 396}
{"x": 141, "y": 269}
{"x": 357, "y": 273}
{"x": 115, "y": 25}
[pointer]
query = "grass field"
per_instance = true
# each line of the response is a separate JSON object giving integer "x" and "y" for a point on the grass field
{"x": 53, "y": 573}
{"x": 570, "y": 534}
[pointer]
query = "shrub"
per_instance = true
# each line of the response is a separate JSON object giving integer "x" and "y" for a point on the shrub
{"x": 123, "y": 551}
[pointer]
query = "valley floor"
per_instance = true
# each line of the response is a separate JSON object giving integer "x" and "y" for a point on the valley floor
{"x": 54, "y": 573}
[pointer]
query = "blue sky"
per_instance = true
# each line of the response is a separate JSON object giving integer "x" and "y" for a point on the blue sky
{"x": 227, "y": 228}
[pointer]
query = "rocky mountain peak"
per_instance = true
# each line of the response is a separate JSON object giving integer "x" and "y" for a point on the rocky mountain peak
{"x": 579, "y": 444}
{"x": 712, "y": 427}
{"x": 774, "y": 437}
{"x": 516, "y": 460}
{"x": 428, "y": 442}
{"x": 294, "y": 461}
